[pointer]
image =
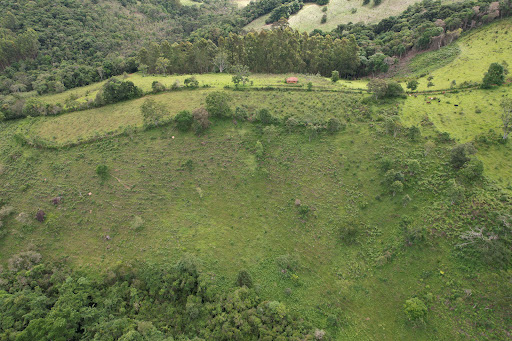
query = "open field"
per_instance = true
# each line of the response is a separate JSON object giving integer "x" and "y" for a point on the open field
{"x": 210, "y": 196}
{"x": 478, "y": 49}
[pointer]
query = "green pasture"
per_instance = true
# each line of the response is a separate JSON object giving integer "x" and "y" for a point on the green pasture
{"x": 478, "y": 49}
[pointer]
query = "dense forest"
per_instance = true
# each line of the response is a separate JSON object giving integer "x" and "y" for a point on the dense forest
{"x": 52, "y": 46}
{"x": 43, "y": 301}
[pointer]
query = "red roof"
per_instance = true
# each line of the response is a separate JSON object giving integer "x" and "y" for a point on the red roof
{"x": 292, "y": 79}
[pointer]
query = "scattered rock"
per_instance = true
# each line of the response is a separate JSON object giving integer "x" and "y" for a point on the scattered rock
{"x": 297, "y": 202}
{"x": 56, "y": 200}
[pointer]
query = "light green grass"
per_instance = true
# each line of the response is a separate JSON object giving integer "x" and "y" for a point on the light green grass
{"x": 478, "y": 49}
{"x": 213, "y": 80}
{"x": 245, "y": 217}
{"x": 83, "y": 125}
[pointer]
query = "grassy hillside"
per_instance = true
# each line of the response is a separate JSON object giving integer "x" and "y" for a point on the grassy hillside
{"x": 171, "y": 193}
{"x": 340, "y": 12}
{"x": 344, "y": 227}
{"x": 468, "y": 59}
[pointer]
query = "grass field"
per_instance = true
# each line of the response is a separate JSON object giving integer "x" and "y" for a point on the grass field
{"x": 211, "y": 197}
{"x": 478, "y": 49}
{"x": 170, "y": 193}
{"x": 213, "y": 80}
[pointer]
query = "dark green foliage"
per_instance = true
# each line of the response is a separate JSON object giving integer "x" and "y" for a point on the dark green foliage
{"x": 349, "y": 232}
{"x": 377, "y": 2}
{"x": 157, "y": 87}
{"x": 265, "y": 117}
{"x": 366, "y": 2}
{"x": 333, "y": 125}
{"x": 184, "y": 120}
{"x": 141, "y": 302}
{"x": 494, "y": 76}
{"x": 412, "y": 85}
{"x": 191, "y": 83}
{"x": 241, "y": 75}
{"x": 324, "y": 18}
{"x": 244, "y": 279}
{"x": 102, "y": 171}
{"x": 217, "y": 105}
{"x": 473, "y": 170}
{"x": 414, "y": 133}
{"x": 385, "y": 89}
{"x": 116, "y": 91}
{"x": 460, "y": 154}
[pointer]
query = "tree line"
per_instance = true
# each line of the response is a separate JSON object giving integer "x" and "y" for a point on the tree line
{"x": 279, "y": 50}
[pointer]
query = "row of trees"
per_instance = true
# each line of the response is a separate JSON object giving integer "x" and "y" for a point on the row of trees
{"x": 279, "y": 50}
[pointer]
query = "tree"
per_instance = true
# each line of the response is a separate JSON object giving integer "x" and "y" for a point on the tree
{"x": 494, "y": 76}
{"x": 241, "y": 75}
{"x": 184, "y": 120}
{"x": 412, "y": 85}
{"x": 460, "y": 154}
{"x": 473, "y": 170}
{"x": 157, "y": 87}
{"x": 153, "y": 113}
{"x": 115, "y": 91}
{"x": 378, "y": 87}
{"x": 221, "y": 61}
{"x": 244, "y": 279}
{"x": 264, "y": 116}
{"x": 506, "y": 117}
{"x": 333, "y": 125}
{"x": 201, "y": 120}
{"x": 335, "y": 76}
{"x": 217, "y": 105}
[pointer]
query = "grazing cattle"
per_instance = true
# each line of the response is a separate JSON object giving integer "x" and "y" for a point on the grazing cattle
{"x": 428, "y": 102}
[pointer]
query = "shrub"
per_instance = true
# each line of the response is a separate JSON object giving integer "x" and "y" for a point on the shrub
{"x": 184, "y": 120}
{"x": 264, "y": 116}
{"x": 414, "y": 133}
{"x": 333, "y": 125}
{"x": 412, "y": 85}
{"x": 473, "y": 170}
{"x": 244, "y": 279}
{"x": 495, "y": 75}
{"x": 415, "y": 309}
{"x": 217, "y": 105}
{"x": 288, "y": 263}
{"x": 102, "y": 171}
{"x": 397, "y": 187}
{"x": 460, "y": 154}
{"x": 241, "y": 113}
{"x": 335, "y": 76}
{"x": 191, "y": 83}
{"x": 201, "y": 120}
{"x": 40, "y": 216}
{"x": 153, "y": 113}
{"x": 116, "y": 91}
{"x": 348, "y": 233}
{"x": 324, "y": 19}
{"x": 157, "y": 87}
{"x": 258, "y": 150}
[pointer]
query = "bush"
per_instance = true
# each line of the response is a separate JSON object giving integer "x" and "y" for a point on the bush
{"x": 157, "y": 87}
{"x": 116, "y": 91}
{"x": 473, "y": 170}
{"x": 184, "y": 120}
{"x": 102, "y": 171}
{"x": 460, "y": 154}
{"x": 333, "y": 125}
{"x": 201, "y": 120}
{"x": 264, "y": 116}
{"x": 244, "y": 279}
{"x": 495, "y": 75}
{"x": 288, "y": 263}
{"x": 415, "y": 309}
{"x": 412, "y": 85}
{"x": 191, "y": 83}
{"x": 348, "y": 233}
{"x": 217, "y": 105}
{"x": 153, "y": 113}
{"x": 335, "y": 76}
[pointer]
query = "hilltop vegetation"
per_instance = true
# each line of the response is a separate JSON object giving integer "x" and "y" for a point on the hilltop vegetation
{"x": 201, "y": 198}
